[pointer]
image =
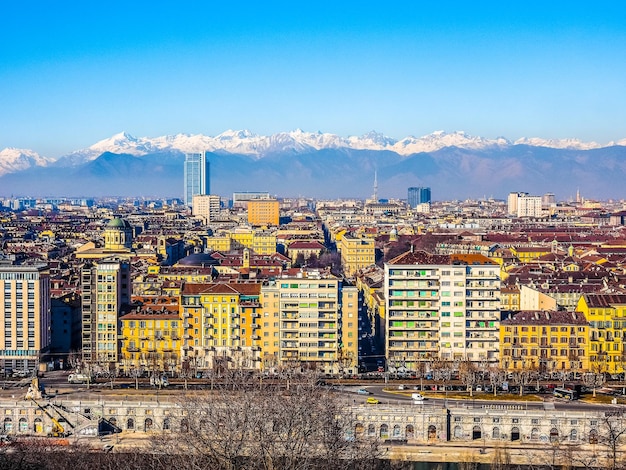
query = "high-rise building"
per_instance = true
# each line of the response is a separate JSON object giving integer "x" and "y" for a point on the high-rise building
{"x": 197, "y": 175}
{"x": 418, "y": 195}
{"x": 524, "y": 205}
{"x": 441, "y": 307}
{"x": 106, "y": 288}
{"x": 25, "y": 301}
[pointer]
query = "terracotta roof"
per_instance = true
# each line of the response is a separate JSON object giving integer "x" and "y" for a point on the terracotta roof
{"x": 540, "y": 317}
{"x": 605, "y": 300}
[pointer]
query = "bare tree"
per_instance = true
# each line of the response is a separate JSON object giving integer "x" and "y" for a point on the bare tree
{"x": 468, "y": 375}
{"x": 497, "y": 377}
{"x": 594, "y": 380}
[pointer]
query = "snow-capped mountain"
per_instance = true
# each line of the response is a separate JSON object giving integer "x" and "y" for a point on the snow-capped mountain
{"x": 12, "y": 160}
{"x": 244, "y": 142}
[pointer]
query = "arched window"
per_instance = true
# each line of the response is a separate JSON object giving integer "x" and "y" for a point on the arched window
{"x": 554, "y": 435}
{"x": 384, "y": 431}
{"x": 593, "y": 436}
{"x": 495, "y": 433}
{"x": 476, "y": 433}
{"x": 23, "y": 426}
{"x": 359, "y": 429}
{"x": 184, "y": 425}
{"x": 166, "y": 424}
{"x": 396, "y": 430}
{"x": 130, "y": 423}
{"x": 458, "y": 432}
{"x": 8, "y": 425}
{"x": 534, "y": 434}
{"x": 410, "y": 431}
{"x": 38, "y": 427}
{"x": 573, "y": 435}
{"x": 371, "y": 430}
{"x": 515, "y": 434}
{"x": 148, "y": 424}
{"x": 432, "y": 432}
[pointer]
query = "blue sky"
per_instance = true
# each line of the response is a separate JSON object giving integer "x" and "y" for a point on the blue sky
{"x": 75, "y": 72}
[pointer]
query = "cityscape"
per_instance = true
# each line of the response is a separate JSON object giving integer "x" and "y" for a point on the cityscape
{"x": 290, "y": 236}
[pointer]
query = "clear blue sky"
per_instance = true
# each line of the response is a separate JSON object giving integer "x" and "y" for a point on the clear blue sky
{"x": 75, "y": 72}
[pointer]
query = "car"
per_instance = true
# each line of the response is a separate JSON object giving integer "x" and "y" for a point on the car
{"x": 372, "y": 401}
{"x": 362, "y": 391}
{"x": 417, "y": 397}
{"x": 401, "y": 387}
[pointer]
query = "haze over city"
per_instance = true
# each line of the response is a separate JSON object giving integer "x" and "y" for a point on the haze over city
{"x": 77, "y": 73}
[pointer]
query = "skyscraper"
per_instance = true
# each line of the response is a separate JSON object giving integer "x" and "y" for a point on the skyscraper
{"x": 418, "y": 195}
{"x": 197, "y": 176}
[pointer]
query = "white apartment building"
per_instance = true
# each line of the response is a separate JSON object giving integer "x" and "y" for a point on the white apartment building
{"x": 441, "y": 307}
{"x": 25, "y": 304}
{"x": 524, "y": 205}
{"x": 206, "y": 206}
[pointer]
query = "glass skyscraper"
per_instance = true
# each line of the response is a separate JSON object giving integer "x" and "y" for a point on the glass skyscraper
{"x": 197, "y": 176}
{"x": 418, "y": 195}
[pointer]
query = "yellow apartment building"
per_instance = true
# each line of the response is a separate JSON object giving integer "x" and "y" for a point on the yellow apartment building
{"x": 607, "y": 324}
{"x": 510, "y": 299}
{"x": 221, "y": 325}
{"x": 527, "y": 254}
{"x": 151, "y": 340}
{"x": 546, "y": 341}
{"x": 356, "y": 253}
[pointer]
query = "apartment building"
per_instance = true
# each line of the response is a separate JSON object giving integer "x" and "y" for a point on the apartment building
{"x": 545, "y": 341}
{"x": 25, "y": 302}
{"x": 356, "y": 253}
{"x": 606, "y": 314}
{"x": 263, "y": 212}
{"x": 106, "y": 289}
{"x": 220, "y": 325}
{"x": 310, "y": 317}
{"x": 441, "y": 307}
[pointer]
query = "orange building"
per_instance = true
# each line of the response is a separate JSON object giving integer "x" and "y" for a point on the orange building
{"x": 263, "y": 212}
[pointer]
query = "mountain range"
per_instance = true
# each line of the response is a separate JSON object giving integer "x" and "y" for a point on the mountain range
{"x": 316, "y": 164}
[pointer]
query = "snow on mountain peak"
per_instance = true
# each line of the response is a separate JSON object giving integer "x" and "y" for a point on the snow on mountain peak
{"x": 13, "y": 159}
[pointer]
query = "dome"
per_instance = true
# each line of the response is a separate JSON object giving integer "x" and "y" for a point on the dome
{"x": 117, "y": 222}
{"x": 198, "y": 259}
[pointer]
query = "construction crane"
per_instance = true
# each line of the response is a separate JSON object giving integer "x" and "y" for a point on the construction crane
{"x": 34, "y": 393}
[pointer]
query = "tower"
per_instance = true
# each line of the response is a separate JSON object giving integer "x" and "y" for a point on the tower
{"x": 418, "y": 195}
{"x": 197, "y": 176}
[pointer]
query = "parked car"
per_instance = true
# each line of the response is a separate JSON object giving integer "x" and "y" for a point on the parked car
{"x": 372, "y": 401}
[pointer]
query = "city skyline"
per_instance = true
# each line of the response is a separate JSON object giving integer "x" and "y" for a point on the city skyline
{"x": 82, "y": 74}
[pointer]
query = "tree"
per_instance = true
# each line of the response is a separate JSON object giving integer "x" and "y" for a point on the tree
{"x": 497, "y": 377}
{"x": 257, "y": 426}
{"x": 468, "y": 375}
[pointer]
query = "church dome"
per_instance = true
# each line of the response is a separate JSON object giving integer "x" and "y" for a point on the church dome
{"x": 200, "y": 260}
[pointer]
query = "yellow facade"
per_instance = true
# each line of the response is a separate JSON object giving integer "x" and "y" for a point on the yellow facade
{"x": 607, "y": 323}
{"x": 221, "y": 243}
{"x": 527, "y": 255}
{"x": 349, "y": 347}
{"x": 356, "y": 253}
{"x": 270, "y": 327}
{"x": 263, "y": 212}
{"x": 545, "y": 342}
{"x": 151, "y": 341}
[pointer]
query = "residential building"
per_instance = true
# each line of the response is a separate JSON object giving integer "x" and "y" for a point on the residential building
{"x": 106, "y": 289}
{"x": 242, "y": 198}
{"x": 263, "y": 212}
{"x": 545, "y": 341}
{"x": 524, "y": 205}
{"x": 150, "y": 341}
{"x": 25, "y": 302}
{"x": 441, "y": 307}
{"x": 197, "y": 176}
{"x": 356, "y": 253}
{"x": 606, "y": 314}
{"x": 207, "y": 206}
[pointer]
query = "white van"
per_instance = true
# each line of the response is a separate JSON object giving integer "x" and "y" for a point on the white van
{"x": 78, "y": 379}
{"x": 417, "y": 398}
